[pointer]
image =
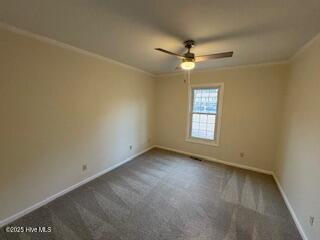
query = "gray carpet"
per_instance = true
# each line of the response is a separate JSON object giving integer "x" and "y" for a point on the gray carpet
{"x": 164, "y": 195}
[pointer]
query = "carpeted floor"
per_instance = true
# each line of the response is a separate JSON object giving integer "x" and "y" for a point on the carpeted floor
{"x": 164, "y": 195}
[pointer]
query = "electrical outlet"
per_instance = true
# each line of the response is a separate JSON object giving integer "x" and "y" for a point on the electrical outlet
{"x": 84, "y": 167}
{"x": 242, "y": 154}
{"x": 130, "y": 147}
{"x": 311, "y": 220}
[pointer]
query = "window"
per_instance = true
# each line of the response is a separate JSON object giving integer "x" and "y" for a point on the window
{"x": 204, "y": 114}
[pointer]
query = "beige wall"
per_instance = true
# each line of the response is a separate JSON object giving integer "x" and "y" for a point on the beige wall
{"x": 250, "y": 120}
{"x": 298, "y": 165}
{"x": 60, "y": 109}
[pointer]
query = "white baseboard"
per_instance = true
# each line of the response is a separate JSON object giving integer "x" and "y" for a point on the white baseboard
{"x": 59, "y": 194}
{"x": 294, "y": 216}
{"x": 212, "y": 159}
{"x": 53, "y": 197}
{"x": 286, "y": 200}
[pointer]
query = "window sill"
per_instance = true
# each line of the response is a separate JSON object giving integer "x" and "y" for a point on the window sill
{"x": 213, "y": 143}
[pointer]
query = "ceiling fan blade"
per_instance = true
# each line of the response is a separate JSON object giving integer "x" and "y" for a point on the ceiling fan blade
{"x": 213, "y": 56}
{"x": 168, "y": 52}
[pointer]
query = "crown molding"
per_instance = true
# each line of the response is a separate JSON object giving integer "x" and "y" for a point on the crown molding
{"x": 304, "y": 47}
{"x": 48, "y": 40}
{"x": 267, "y": 64}
{"x": 51, "y": 41}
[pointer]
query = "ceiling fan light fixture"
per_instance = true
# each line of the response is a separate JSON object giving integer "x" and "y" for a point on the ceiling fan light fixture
{"x": 189, "y": 59}
{"x": 187, "y": 64}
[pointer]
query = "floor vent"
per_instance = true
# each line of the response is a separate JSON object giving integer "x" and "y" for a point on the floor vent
{"x": 195, "y": 158}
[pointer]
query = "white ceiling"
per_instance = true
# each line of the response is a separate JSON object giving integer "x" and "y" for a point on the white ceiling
{"x": 128, "y": 31}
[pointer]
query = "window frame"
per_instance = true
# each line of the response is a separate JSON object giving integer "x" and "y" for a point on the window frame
{"x": 216, "y": 141}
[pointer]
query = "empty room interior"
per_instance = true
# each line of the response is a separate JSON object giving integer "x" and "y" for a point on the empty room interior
{"x": 160, "y": 120}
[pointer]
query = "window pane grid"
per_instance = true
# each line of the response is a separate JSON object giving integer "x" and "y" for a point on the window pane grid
{"x": 203, "y": 114}
{"x": 205, "y": 100}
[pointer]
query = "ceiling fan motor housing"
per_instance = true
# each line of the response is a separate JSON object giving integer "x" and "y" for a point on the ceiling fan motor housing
{"x": 189, "y": 44}
{"x": 189, "y": 56}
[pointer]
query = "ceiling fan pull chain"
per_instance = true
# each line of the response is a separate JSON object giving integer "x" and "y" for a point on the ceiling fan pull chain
{"x": 186, "y": 77}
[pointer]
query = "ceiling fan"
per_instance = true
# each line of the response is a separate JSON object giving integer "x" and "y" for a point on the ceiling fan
{"x": 188, "y": 59}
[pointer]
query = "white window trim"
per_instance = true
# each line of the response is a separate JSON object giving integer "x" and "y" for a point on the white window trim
{"x": 216, "y": 141}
